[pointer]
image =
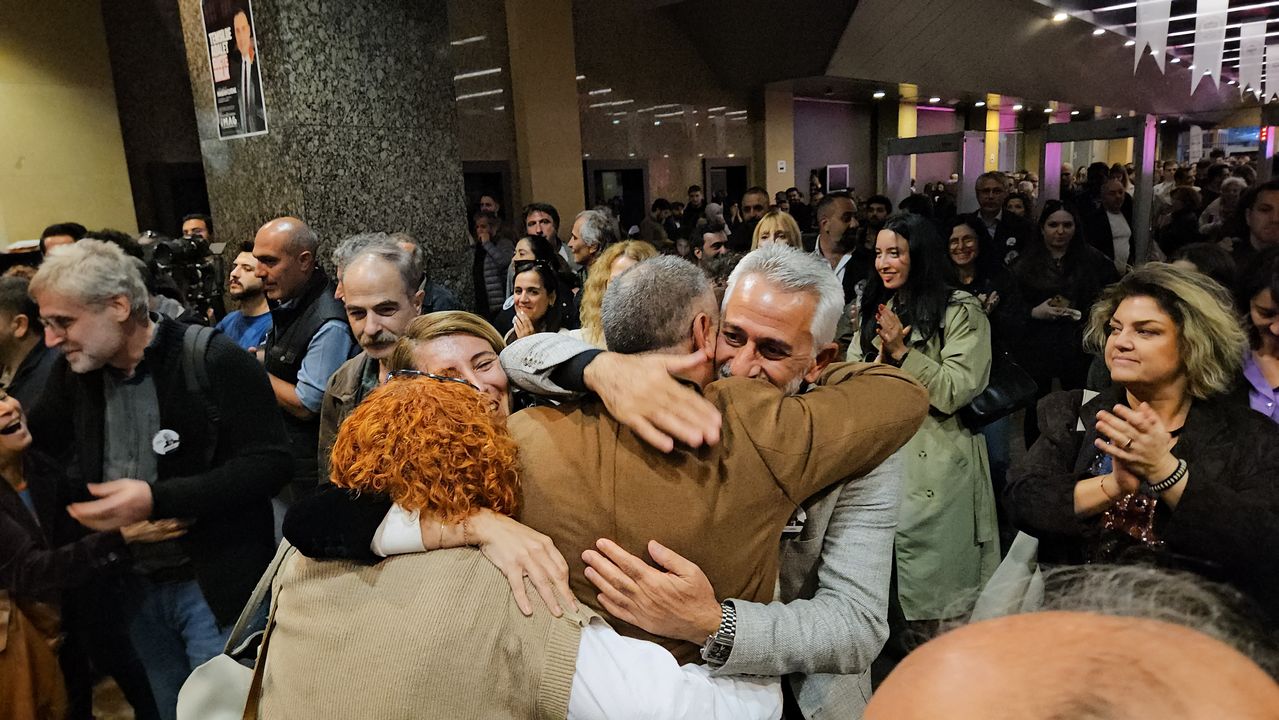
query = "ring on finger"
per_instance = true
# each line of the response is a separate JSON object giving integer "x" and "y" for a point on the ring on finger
{"x": 1128, "y": 445}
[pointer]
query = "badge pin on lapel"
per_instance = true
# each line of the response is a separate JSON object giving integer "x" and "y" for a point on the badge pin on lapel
{"x": 165, "y": 442}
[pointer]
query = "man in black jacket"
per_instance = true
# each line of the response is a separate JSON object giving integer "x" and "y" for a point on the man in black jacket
{"x": 156, "y": 432}
{"x": 1007, "y": 233}
{"x": 309, "y": 338}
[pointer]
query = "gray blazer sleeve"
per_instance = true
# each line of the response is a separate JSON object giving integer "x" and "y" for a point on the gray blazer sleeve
{"x": 529, "y": 362}
{"x": 842, "y": 627}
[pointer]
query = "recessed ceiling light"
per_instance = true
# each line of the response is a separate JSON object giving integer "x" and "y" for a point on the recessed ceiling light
{"x": 1174, "y": 61}
{"x": 601, "y": 91}
{"x": 697, "y": 124}
{"x": 1018, "y": 106}
{"x": 1118, "y": 117}
{"x": 934, "y": 99}
{"x": 701, "y": 154}
{"x": 1163, "y": 122}
{"x": 615, "y": 121}
{"x": 630, "y": 154}
{"x": 1060, "y": 17}
{"x": 980, "y": 103}
{"x": 1047, "y": 110}
{"x": 1190, "y": 67}
{"x": 499, "y": 108}
{"x": 665, "y": 155}
{"x": 1099, "y": 32}
{"x": 878, "y": 94}
{"x": 732, "y": 154}
{"x": 581, "y": 77}
{"x": 657, "y": 122}
{"x": 1074, "y": 112}
{"x": 1207, "y": 72}
{"x": 1231, "y": 82}
{"x": 1130, "y": 43}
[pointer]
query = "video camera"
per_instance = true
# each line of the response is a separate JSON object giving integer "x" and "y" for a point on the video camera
{"x": 187, "y": 265}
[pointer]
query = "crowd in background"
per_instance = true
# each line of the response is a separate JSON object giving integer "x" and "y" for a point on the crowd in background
{"x": 152, "y": 466}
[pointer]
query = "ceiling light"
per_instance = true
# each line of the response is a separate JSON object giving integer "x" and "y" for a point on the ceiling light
{"x": 469, "y": 40}
{"x": 601, "y": 91}
{"x": 980, "y": 103}
{"x": 1231, "y": 82}
{"x": 477, "y": 73}
{"x": 701, "y": 154}
{"x": 1099, "y": 32}
{"x": 484, "y": 93}
{"x": 878, "y": 94}
{"x": 657, "y": 122}
{"x": 1174, "y": 61}
{"x": 1074, "y": 112}
{"x": 732, "y": 154}
{"x": 697, "y": 124}
{"x": 1190, "y": 67}
{"x": 1118, "y": 117}
{"x": 1130, "y": 43}
{"x": 1163, "y": 122}
{"x": 735, "y": 112}
{"x": 610, "y": 103}
{"x": 586, "y": 154}
{"x": 615, "y": 121}
{"x": 1017, "y": 107}
{"x": 499, "y": 108}
{"x": 581, "y": 77}
{"x": 1047, "y": 110}
{"x": 716, "y": 109}
{"x": 665, "y": 155}
{"x": 630, "y": 155}
{"x": 1207, "y": 72}
{"x": 934, "y": 99}
{"x": 1060, "y": 17}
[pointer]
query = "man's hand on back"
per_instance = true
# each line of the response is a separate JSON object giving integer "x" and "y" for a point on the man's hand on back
{"x": 679, "y": 603}
{"x": 641, "y": 392}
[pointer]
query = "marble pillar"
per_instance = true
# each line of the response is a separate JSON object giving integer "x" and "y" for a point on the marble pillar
{"x": 362, "y": 127}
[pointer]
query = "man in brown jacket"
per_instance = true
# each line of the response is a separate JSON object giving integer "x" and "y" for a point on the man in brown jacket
{"x": 381, "y": 294}
{"x": 586, "y": 476}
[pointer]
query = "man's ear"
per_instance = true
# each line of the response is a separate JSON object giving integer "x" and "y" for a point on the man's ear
{"x": 19, "y": 326}
{"x": 417, "y": 298}
{"x": 704, "y": 334}
{"x": 825, "y": 356}
{"x": 119, "y": 308}
{"x": 306, "y": 259}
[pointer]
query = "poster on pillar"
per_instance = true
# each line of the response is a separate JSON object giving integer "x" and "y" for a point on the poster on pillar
{"x": 235, "y": 67}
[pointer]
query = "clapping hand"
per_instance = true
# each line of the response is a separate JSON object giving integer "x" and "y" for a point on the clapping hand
{"x": 1138, "y": 441}
{"x": 892, "y": 334}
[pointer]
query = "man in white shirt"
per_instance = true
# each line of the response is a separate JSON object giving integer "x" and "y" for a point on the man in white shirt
{"x": 1109, "y": 227}
{"x": 248, "y": 81}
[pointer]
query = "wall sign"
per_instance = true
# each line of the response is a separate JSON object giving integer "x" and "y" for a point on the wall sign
{"x": 235, "y": 67}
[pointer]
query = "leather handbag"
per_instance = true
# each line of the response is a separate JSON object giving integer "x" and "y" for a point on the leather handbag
{"x": 1010, "y": 389}
{"x": 226, "y": 687}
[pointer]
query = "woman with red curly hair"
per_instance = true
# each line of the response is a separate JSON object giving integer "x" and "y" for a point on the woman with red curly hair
{"x": 438, "y": 633}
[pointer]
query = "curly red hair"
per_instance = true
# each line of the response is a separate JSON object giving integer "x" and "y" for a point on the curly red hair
{"x": 430, "y": 445}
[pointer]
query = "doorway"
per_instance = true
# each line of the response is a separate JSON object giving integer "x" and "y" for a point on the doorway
{"x": 725, "y": 180}
{"x": 620, "y": 185}
{"x": 491, "y": 178}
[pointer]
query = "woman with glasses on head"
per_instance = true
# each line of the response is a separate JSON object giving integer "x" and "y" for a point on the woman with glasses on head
{"x": 1162, "y": 465}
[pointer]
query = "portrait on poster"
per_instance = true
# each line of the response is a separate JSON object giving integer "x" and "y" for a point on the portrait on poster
{"x": 235, "y": 66}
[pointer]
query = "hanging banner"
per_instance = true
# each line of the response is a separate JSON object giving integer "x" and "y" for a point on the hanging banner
{"x": 1210, "y": 40}
{"x": 1270, "y": 82}
{"x": 1152, "y": 30}
{"x": 1252, "y": 48}
{"x": 234, "y": 63}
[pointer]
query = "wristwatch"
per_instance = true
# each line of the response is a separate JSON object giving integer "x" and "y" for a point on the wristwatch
{"x": 720, "y": 645}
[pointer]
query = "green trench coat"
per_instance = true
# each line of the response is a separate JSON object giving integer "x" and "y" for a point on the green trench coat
{"x": 947, "y": 541}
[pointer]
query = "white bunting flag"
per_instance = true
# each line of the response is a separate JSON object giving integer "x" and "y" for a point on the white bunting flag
{"x": 1210, "y": 39}
{"x": 1152, "y": 30}
{"x": 1270, "y": 82}
{"x": 1252, "y": 48}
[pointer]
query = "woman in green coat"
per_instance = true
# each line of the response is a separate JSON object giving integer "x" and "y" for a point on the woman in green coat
{"x": 911, "y": 316}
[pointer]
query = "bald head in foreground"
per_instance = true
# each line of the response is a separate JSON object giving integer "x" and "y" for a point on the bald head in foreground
{"x": 1076, "y": 665}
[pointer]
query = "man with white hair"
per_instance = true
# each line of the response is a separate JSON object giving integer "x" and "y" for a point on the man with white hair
{"x": 592, "y": 232}
{"x": 164, "y": 421}
{"x": 382, "y": 297}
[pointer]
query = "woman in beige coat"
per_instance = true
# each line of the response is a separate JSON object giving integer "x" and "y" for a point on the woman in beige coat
{"x": 911, "y": 317}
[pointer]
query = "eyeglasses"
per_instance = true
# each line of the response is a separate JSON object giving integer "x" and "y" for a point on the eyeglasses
{"x": 59, "y": 324}
{"x": 522, "y": 266}
{"x": 433, "y": 376}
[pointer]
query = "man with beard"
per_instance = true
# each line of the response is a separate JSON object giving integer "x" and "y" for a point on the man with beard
{"x": 754, "y": 205}
{"x": 802, "y": 213}
{"x": 695, "y": 210}
{"x": 249, "y": 325}
{"x": 1259, "y": 206}
{"x": 837, "y": 243}
{"x": 381, "y": 297}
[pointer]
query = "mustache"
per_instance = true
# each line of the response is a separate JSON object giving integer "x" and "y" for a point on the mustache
{"x": 382, "y": 338}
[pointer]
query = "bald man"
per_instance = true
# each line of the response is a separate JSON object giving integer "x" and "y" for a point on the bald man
{"x": 309, "y": 338}
{"x": 1078, "y": 665}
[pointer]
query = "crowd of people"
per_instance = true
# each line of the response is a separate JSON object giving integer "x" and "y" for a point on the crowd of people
{"x": 725, "y": 463}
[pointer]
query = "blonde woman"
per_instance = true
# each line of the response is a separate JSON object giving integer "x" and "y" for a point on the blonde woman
{"x": 777, "y": 227}
{"x": 611, "y": 263}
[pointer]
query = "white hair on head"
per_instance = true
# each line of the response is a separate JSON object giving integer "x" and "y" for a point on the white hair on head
{"x": 796, "y": 271}
{"x": 93, "y": 272}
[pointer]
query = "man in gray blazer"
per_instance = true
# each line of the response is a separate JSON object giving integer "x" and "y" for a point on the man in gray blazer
{"x": 831, "y": 620}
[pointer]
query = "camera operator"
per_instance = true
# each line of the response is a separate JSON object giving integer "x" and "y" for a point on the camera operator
{"x": 152, "y": 440}
{"x": 198, "y": 225}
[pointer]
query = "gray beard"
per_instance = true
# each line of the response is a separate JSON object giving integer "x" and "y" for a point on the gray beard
{"x": 792, "y": 388}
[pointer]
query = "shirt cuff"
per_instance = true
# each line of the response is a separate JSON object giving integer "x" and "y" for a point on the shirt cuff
{"x": 570, "y": 375}
{"x": 398, "y": 534}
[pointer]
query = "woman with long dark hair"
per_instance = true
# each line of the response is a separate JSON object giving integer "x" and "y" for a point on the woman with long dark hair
{"x": 912, "y": 317}
{"x": 536, "y": 307}
{"x": 1059, "y": 277}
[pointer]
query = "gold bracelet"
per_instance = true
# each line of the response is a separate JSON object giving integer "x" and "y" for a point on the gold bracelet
{"x": 466, "y": 530}
{"x": 440, "y": 544}
{"x": 1109, "y": 497}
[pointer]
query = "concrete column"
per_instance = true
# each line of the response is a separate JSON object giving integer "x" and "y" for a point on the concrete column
{"x": 61, "y": 153}
{"x": 362, "y": 127}
{"x": 778, "y": 171}
{"x": 992, "y": 132}
{"x": 908, "y": 116}
{"x": 548, "y": 128}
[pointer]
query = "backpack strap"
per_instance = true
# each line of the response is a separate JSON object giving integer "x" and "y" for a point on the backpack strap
{"x": 195, "y": 367}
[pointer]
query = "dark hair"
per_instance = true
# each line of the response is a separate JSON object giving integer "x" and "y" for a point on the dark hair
{"x": 989, "y": 260}
{"x": 880, "y": 200}
{"x": 246, "y": 246}
{"x": 208, "y": 221}
{"x": 694, "y": 188}
{"x": 660, "y": 204}
{"x": 542, "y": 208}
{"x": 824, "y": 205}
{"x": 755, "y": 190}
{"x": 1215, "y": 172}
{"x": 711, "y": 226}
{"x": 1261, "y": 274}
{"x": 1025, "y": 201}
{"x": 1181, "y": 175}
{"x": 552, "y": 320}
{"x": 15, "y": 299}
{"x": 1216, "y": 153}
{"x": 75, "y": 231}
{"x": 917, "y": 204}
{"x": 1038, "y": 247}
{"x": 485, "y": 214}
{"x": 922, "y": 300}
{"x": 542, "y": 248}
{"x": 1210, "y": 259}
{"x": 1247, "y": 200}
{"x": 125, "y": 241}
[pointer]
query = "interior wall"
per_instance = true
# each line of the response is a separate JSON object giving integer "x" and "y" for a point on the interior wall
{"x": 936, "y": 166}
{"x": 61, "y": 152}
{"x": 834, "y": 133}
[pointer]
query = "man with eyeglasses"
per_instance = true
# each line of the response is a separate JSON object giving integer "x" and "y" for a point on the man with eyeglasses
{"x": 1007, "y": 232}
{"x": 382, "y": 297}
{"x": 153, "y": 430}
